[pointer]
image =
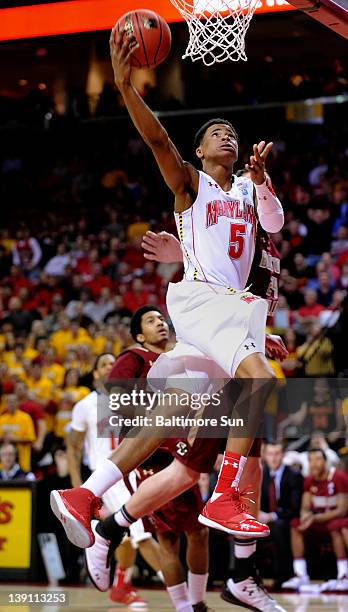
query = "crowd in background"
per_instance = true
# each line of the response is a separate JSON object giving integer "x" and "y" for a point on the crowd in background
{"x": 72, "y": 272}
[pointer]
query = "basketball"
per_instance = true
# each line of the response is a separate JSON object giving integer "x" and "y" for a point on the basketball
{"x": 152, "y": 34}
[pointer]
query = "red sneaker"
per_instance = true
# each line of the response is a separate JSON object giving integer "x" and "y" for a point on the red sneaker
{"x": 128, "y": 596}
{"x": 75, "y": 508}
{"x": 228, "y": 513}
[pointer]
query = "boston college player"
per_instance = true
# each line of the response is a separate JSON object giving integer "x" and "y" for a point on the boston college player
{"x": 215, "y": 317}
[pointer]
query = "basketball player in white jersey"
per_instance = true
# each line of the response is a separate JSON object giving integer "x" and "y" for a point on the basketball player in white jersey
{"x": 219, "y": 324}
{"x": 85, "y": 429}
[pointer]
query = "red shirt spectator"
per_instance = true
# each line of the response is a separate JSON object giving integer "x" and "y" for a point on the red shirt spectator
{"x": 137, "y": 297}
{"x": 311, "y": 308}
{"x": 98, "y": 281}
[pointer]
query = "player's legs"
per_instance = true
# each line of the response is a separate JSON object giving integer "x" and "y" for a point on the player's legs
{"x": 244, "y": 587}
{"x": 173, "y": 571}
{"x": 171, "y": 566}
{"x": 76, "y": 507}
{"x": 159, "y": 489}
{"x": 338, "y": 531}
{"x": 226, "y": 509}
{"x": 299, "y": 560}
{"x": 149, "y": 551}
{"x": 197, "y": 559}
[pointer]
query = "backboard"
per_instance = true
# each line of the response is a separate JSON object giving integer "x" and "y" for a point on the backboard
{"x": 331, "y": 13}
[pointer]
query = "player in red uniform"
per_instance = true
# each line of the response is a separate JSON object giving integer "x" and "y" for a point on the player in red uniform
{"x": 324, "y": 514}
{"x": 150, "y": 331}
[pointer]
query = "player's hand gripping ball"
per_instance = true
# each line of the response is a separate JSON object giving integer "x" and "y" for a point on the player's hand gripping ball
{"x": 151, "y": 33}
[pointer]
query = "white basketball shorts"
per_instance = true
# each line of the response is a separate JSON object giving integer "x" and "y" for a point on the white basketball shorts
{"x": 215, "y": 328}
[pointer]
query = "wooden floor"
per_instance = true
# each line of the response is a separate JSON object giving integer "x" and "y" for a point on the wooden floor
{"x": 89, "y": 599}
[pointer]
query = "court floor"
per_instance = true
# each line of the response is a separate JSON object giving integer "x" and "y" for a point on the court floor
{"x": 89, "y": 599}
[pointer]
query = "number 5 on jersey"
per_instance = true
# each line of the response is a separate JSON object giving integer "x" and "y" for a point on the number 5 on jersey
{"x": 236, "y": 242}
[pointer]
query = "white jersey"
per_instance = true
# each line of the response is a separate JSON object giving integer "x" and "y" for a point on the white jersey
{"x": 84, "y": 419}
{"x": 218, "y": 233}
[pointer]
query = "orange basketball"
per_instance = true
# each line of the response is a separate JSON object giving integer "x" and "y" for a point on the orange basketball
{"x": 152, "y": 34}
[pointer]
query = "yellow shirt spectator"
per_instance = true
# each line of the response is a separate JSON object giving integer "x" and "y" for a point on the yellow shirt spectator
{"x": 64, "y": 339}
{"x": 272, "y": 402}
{"x": 17, "y": 426}
{"x": 66, "y": 398}
{"x": 54, "y": 372}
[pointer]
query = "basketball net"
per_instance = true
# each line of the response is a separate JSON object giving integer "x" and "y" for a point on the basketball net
{"x": 217, "y": 28}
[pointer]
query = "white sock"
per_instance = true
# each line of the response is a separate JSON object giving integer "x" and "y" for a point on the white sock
{"x": 197, "y": 587}
{"x": 180, "y": 597}
{"x": 243, "y": 549}
{"x": 123, "y": 519}
{"x": 300, "y": 568}
{"x": 160, "y": 576}
{"x": 342, "y": 568}
{"x": 104, "y": 476}
{"x": 242, "y": 462}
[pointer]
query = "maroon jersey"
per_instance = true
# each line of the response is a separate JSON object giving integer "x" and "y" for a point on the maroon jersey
{"x": 324, "y": 492}
{"x": 265, "y": 270}
{"x": 134, "y": 362}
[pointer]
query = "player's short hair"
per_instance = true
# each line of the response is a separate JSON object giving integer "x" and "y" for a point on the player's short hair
{"x": 135, "y": 324}
{"x": 202, "y": 130}
{"x": 317, "y": 450}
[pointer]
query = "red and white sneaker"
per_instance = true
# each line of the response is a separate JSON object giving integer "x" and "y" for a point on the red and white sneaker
{"x": 75, "y": 508}
{"x": 228, "y": 513}
{"x": 128, "y": 596}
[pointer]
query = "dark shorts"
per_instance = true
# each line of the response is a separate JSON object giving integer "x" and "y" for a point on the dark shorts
{"x": 202, "y": 455}
{"x": 181, "y": 514}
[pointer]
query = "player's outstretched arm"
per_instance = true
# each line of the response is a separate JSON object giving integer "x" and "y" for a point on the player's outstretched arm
{"x": 181, "y": 177}
{"x": 269, "y": 208}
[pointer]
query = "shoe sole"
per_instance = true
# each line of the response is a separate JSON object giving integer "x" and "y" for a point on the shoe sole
{"x": 75, "y": 531}
{"x": 247, "y": 534}
{"x": 91, "y": 578}
{"x": 237, "y": 602}
{"x": 132, "y": 606}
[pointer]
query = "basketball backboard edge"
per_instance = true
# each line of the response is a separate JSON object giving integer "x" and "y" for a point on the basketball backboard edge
{"x": 331, "y": 13}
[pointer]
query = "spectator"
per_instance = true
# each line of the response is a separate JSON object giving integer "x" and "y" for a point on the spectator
{"x": 318, "y": 440}
{"x": 137, "y": 297}
{"x": 280, "y": 503}
{"x": 19, "y": 319}
{"x": 34, "y": 409}
{"x": 324, "y": 510}
{"x": 67, "y": 336}
{"x": 11, "y": 470}
{"x": 316, "y": 353}
{"x": 26, "y": 253}
{"x": 57, "y": 264}
{"x": 17, "y": 426}
{"x": 98, "y": 310}
{"x": 309, "y": 313}
{"x": 291, "y": 364}
{"x": 51, "y": 368}
{"x": 325, "y": 289}
{"x": 319, "y": 413}
{"x": 340, "y": 244}
{"x": 51, "y": 321}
